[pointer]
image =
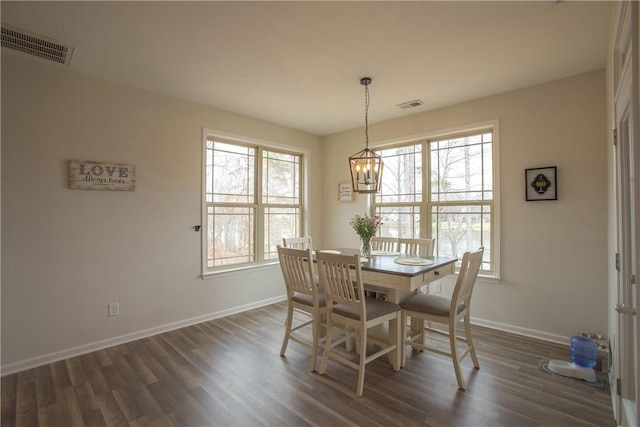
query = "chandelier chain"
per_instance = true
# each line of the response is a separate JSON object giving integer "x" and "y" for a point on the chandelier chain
{"x": 366, "y": 115}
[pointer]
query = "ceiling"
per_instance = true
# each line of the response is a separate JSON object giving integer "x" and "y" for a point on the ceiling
{"x": 299, "y": 63}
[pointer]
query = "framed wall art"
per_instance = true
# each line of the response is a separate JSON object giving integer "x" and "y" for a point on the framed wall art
{"x": 541, "y": 184}
{"x": 345, "y": 192}
{"x": 91, "y": 175}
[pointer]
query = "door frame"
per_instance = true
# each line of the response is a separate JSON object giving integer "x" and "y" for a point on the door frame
{"x": 625, "y": 343}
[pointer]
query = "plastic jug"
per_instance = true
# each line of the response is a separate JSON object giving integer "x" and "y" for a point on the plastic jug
{"x": 583, "y": 351}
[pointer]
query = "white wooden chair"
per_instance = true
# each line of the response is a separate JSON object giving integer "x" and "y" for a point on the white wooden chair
{"x": 304, "y": 242}
{"x": 349, "y": 310}
{"x": 304, "y": 295}
{"x": 298, "y": 242}
{"x": 416, "y": 246}
{"x": 387, "y": 244}
{"x": 449, "y": 312}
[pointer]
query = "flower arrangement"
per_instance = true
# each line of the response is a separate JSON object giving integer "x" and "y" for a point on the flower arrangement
{"x": 366, "y": 227}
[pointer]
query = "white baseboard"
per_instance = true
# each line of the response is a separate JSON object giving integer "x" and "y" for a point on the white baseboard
{"x": 34, "y": 362}
{"x": 517, "y": 330}
{"x": 630, "y": 409}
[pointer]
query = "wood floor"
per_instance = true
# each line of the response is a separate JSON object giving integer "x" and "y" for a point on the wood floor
{"x": 228, "y": 372}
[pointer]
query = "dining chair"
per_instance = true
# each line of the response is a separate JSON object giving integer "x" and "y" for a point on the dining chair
{"x": 387, "y": 244}
{"x": 304, "y": 242}
{"x": 447, "y": 311}
{"x": 354, "y": 314}
{"x": 298, "y": 242}
{"x": 416, "y": 246}
{"x": 303, "y": 295}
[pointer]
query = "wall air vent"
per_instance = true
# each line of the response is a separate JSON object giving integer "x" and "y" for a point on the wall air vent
{"x": 36, "y": 45}
{"x": 411, "y": 104}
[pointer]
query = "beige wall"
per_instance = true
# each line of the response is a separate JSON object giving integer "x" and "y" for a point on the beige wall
{"x": 67, "y": 253}
{"x": 554, "y": 254}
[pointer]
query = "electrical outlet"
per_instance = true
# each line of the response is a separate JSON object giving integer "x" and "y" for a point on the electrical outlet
{"x": 113, "y": 309}
{"x": 435, "y": 288}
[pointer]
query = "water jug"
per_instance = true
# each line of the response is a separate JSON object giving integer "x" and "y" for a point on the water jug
{"x": 583, "y": 351}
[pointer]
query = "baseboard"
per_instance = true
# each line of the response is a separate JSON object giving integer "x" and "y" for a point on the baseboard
{"x": 34, "y": 362}
{"x": 630, "y": 409}
{"x": 517, "y": 330}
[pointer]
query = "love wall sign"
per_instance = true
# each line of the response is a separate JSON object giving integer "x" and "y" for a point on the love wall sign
{"x": 84, "y": 175}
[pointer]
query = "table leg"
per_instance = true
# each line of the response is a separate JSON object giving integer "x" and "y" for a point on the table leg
{"x": 395, "y": 330}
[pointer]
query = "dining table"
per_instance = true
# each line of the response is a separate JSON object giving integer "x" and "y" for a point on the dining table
{"x": 398, "y": 276}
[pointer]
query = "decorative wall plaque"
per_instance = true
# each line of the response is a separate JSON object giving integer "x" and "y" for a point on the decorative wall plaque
{"x": 89, "y": 175}
{"x": 345, "y": 192}
{"x": 541, "y": 184}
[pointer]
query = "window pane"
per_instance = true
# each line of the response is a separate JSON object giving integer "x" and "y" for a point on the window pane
{"x": 458, "y": 169}
{"x": 399, "y": 221}
{"x": 279, "y": 223}
{"x": 487, "y": 151}
{"x": 233, "y": 173}
{"x": 280, "y": 178}
{"x": 458, "y": 229}
{"x": 402, "y": 175}
{"x": 230, "y": 237}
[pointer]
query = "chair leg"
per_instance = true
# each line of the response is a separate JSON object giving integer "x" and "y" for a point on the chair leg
{"x": 315, "y": 336}
{"x": 454, "y": 353}
{"x": 399, "y": 352}
{"x": 362, "y": 341}
{"x": 403, "y": 338}
{"x": 420, "y": 323}
{"x": 327, "y": 346}
{"x": 472, "y": 347}
{"x": 287, "y": 329}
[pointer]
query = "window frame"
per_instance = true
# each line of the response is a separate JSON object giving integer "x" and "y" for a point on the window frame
{"x": 259, "y": 230}
{"x": 426, "y": 204}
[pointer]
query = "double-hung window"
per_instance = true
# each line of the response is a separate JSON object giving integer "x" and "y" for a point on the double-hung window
{"x": 443, "y": 188}
{"x": 252, "y": 197}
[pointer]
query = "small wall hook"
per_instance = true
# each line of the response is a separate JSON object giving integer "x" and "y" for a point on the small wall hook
{"x": 197, "y": 227}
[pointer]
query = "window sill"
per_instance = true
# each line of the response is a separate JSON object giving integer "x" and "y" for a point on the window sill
{"x": 238, "y": 270}
{"x": 488, "y": 280}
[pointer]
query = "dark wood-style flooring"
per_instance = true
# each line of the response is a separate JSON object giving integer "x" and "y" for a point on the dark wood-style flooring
{"x": 228, "y": 372}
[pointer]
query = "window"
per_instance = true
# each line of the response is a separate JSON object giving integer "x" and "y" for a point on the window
{"x": 443, "y": 188}
{"x": 252, "y": 197}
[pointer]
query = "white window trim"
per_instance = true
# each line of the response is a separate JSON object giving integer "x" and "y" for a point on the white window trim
{"x": 306, "y": 161}
{"x": 441, "y": 133}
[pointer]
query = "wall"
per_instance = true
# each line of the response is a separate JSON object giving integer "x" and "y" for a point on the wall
{"x": 67, "y": 253}
{"x": 554, "y": 254}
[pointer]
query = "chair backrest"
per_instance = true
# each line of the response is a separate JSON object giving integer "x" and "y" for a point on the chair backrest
{"x": 416, "y": 246}
{"x": 298, "y": 242}
{"x": 340, "y": 277}
{"x": 297, "y": 271}
{"x": 389, "y": 244}
{"x": 467, "y": 275}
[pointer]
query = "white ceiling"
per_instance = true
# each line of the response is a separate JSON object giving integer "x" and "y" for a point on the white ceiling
{"x": 299, "y": 64}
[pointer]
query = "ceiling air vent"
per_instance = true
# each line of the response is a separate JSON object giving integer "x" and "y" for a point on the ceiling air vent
{"x": 36, "y": 45}
{"x": 411, "y": 104}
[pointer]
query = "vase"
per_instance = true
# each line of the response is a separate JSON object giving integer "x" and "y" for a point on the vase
{"x": 365, "y": 247}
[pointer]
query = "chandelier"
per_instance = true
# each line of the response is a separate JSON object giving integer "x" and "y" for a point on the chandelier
{"x": 365, "y": 165}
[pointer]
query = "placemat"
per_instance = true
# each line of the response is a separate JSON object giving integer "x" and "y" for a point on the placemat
{"x": 329, "y": 251}
{"x": 384, "y": 253}
{"x": 413, "y": 261}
